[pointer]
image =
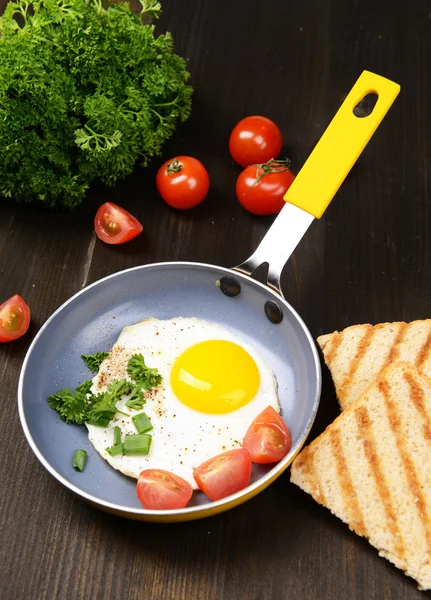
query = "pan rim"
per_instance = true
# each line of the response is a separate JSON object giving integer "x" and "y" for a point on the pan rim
{"x": 188, "y": 512}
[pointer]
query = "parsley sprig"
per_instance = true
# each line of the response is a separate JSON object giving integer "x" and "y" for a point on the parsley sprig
{"x": 141, "y": 374}
{"x": 82, "y": 406}
{"x": 93, "y": 361}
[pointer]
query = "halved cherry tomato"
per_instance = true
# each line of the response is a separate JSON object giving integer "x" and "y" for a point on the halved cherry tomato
{"x": 261, "y": 188}
{"x": 114, "y": 225}
{"x": 14, "y": 319}
{"x": 161, "y": 490}
{"x": 267, "y": 439}
{"x": 224, "y": 474}
{"x": 183, "y": 182}
{"x": 255, "y": 140}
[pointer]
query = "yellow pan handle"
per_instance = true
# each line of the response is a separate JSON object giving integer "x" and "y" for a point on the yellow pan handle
{"x": 340, "y": 146}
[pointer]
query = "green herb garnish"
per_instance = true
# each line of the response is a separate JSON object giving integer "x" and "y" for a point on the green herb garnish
{"x": 93, "y": 361}
{"x": 72, "y": 407}
{"x": 138, "y": 444}
{"x": 115, "y": 450}
{"x": 136, "y": 400}
{"x": 79, "y": 458}
{"x": 117, "y": 436}
{"x": 104, "y": 404}
{"x": 142, "y": 423}
{"x": 86, "y": 92}
{"x": 144, "y": 376}
{"x": 84, "y": 407}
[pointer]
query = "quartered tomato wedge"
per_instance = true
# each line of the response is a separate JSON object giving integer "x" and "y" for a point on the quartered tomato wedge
{"x": 224, "y": 474}
{"x": 162, "y": 490}
{"x": 114, "y": 225}
{"x": 267, "y": 439}
{"x": 14, "y": 319}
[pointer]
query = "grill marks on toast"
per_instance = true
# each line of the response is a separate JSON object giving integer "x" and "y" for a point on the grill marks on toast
{"x": 382, "y": 488}
{"x": 358, "y": 354}
{"x": 395, "y": 349}
{"x": 425, "y": 352}
{"x": 350, "y": 498}
{"x": 333, "y": 348}
{"x": 354, "y": 364}
{"x": 418, "y": 399}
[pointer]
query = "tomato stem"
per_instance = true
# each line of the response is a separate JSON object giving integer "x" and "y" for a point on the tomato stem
{"x": 174, "y": 167}
{"x": 272, "y": 166}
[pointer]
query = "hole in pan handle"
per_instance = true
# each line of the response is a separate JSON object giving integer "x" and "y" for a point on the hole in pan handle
{"x": 321, "y": 176}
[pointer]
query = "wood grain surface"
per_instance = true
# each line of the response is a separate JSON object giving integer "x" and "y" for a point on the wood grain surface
{"x": 367, "y": 260}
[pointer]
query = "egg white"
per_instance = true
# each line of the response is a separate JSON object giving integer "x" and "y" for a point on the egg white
{"x": 182, "y": 438}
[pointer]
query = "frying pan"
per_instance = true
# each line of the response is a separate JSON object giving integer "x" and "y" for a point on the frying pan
{"x": 256, "y": 313}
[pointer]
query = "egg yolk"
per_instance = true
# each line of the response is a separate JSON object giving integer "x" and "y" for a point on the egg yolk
{"x": 215, "y": 376}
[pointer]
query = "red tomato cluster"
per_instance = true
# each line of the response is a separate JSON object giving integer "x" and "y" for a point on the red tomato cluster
{"x": 267, "y": 441}
{"x": 183, "y": 182}
{"x": 255, "y": 144}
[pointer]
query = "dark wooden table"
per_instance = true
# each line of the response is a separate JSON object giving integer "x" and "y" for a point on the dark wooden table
{"x": 367, "y": 260}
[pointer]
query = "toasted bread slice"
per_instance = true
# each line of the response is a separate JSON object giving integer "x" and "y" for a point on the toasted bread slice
{"x": 371, "y": 467}
{"x": 356, "y": 355}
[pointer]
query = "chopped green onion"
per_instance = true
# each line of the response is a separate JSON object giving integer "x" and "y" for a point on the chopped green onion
{"x": 117, "y": 436}
{"x": 115, "y": 450}
{"x": 100, "y": 422}
{"x": 137, "y": 444}
{"x": 142, "y": 423}
{"x": 79, "y": 459}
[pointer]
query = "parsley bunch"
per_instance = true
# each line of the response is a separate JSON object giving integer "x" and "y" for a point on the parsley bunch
{"x": 82, "y": 406}
{"x": 85, "y": 93}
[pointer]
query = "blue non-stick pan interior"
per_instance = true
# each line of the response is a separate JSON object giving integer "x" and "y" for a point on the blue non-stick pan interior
{"x": 92, "y": 320}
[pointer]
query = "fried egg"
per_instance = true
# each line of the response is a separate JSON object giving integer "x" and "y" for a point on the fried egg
{"x": 214, "y": 385}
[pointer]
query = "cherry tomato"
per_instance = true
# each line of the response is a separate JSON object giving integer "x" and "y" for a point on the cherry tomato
{"x": 183, "y": 182}
{"x": 224, "y": 474}
{"x": 114, "y": 225}
{"x": 267, "y": 439}
{"x": 261, "y": 188}
{"x": 161, "y": 490}
{"x": 14, "y": 319}
{"x": 255, "y": 140}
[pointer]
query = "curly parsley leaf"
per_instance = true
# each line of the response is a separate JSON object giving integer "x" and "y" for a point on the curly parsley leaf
{"x": 141, "y": 374}
{"x": 152, "y": 8}
{"x": 136, "y": 400}
{"x": 72, "y": 407}
{"x": 82, "y": 406}
{"x": 104, "y": 406}
{"x": 93, "y": 361}
{"x": 119, "y": 387}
